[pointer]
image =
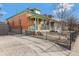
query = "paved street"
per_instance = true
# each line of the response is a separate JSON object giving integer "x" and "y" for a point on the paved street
{"x": 24, "y": 45}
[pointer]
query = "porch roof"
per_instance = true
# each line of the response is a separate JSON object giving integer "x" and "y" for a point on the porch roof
{"x": 42, "y": 17}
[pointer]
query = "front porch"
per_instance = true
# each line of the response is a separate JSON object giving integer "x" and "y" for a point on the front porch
{"x": 38, "y": 24}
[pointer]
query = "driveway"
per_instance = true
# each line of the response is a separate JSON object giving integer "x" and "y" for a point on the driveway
{"x": 18, "y": 45}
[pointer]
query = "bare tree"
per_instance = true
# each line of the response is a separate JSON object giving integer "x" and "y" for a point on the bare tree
{"x": 1, "y": 14}
{"x": 63, "y": 12}
{"x": 71, "y": 23}
{"x": 66, "y": 15}
{"x": 72, "y": 27}
{"x": 61, "y": 15}
{"x": 9, "y": 27}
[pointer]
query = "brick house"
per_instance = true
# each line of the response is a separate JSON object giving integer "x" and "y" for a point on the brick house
{"x": 28, "y": 20}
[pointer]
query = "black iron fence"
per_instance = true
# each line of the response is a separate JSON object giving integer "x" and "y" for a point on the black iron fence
{"x": 65, "y": 39}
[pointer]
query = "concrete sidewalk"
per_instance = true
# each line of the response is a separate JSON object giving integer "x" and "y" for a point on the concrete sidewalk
{"x": 75, "y": 48}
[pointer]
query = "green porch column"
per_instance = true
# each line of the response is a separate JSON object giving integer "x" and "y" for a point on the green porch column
{"x": 43, "y": 27}
{"x": 35, "y": 27}
{"x": 30, "y": 29}
{"x": 49, "y": 25}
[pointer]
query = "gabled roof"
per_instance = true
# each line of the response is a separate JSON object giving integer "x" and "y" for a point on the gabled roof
{"x": 32, "y": 14}
{"x": 16, "y": 14}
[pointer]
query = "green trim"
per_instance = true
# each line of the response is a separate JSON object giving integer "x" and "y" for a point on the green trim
{"x": 26, "y": 10}
{"x": 16, "y": 14}
{"x": 37, "y": 16}
{"x": 32, "y": 13}
{"x": 35, "y": 25}
{"x": 29, "y": 23}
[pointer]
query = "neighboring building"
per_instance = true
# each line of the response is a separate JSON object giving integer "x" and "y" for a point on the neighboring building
{"x": 58, "y": 26}
{"x": 3, "y": 29}
{"x": 55, "y": 25}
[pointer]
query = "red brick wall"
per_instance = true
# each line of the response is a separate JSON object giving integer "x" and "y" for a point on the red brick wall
{"x": 15, "y": 24}
{"x": 25, "y": 21}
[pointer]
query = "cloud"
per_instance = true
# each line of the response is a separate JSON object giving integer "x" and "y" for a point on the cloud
{"x": 54, "y": 11}
{"x": 2, "y": 11}
{"x": 66, "y": 6}
{"x": 1, "y": 5}
{"x": 63, "y": 7}
{"x": 60, "y": 10}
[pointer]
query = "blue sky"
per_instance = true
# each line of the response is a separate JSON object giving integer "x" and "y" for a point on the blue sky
{"x": 46, "y": 8}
